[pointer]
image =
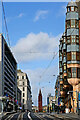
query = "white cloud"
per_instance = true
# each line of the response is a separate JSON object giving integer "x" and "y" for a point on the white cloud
{"x": 40, "y": 14}
{"x": 36, "y": 47}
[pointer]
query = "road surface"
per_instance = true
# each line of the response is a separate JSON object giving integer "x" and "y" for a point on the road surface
{"x": 30, "y": 116}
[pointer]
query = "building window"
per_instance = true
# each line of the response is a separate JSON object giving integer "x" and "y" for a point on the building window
{"x": 68, "y": 24}
{"x": 22, "y": 77}
{"x": 64, "y": 54}
{"x": 69, "y": 72}
{"x": 73, "y": 39}
{"x": 20, "y": 82}
{"x": 23, "y": 100}
{"x": 60, "y": 64}
{"x": 64, "y": 39}
{"x": 68, "y": 40}
{"x": 73, "y": 55}
{"x": 77, "y": 39}
{"x": 74, "y": 73}
{"x": 77, "y": 24}
{"x": 17, "y": 77}
{"x": 23, "y": 83}
{"x": 64, "y": 66}
{"x": 78, "y": 56}
{"x": 72, "y": 9}
{"x": 23, "y": 95}
{"x": 60, "y": 76}
{"x": 68, "y": 56}
{"x": 76, "y": 9}
{"x": 72, "y": 23}
{"x": 78, "y": 72}
{"x": 68, "y": 9}
{"x": 23, "y": 89}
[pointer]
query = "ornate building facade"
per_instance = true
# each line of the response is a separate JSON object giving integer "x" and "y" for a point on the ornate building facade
{"x": 69, "y": 58}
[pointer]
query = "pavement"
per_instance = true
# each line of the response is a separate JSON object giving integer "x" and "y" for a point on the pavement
{"x": 66, "y": 116}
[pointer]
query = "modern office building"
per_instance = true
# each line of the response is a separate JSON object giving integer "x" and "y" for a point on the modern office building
{"x": 69, "y": 58}
{"x": 8, "y": 74}
{"x": 23, "y": 84}
{"x": 40, "y": 101}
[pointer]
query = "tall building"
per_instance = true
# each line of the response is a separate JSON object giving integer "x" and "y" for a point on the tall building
{"x": 40, "y": 101}
{"x": 23, "y": 84}
{"x": 8, "y": 74}
{"x": 69, "y": 58}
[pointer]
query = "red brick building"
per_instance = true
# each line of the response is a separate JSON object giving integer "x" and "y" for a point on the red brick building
{"x": 40, "y": 101}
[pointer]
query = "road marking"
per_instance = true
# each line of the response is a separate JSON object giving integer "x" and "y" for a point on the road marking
{"x": 9, "y": 116}
{"x": 20, "y": 117}
{"x": 29, "y": 116}
{"x": 12, "y": 116}
{"x": 39, "y": 116}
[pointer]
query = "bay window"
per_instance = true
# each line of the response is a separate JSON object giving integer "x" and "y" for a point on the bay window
{"x": 72, "y": 9}
{"x": 74, "y": 75}
{"x": 72, "y": 23}
{"x": 73, "y": 55}
{"x": 73, "y": 39}
{"x": 68, "y": 24}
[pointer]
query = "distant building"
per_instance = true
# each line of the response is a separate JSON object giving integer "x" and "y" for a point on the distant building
{"x": 50, "y": 103}
{"x": 23, "y": 84}
{"x": 8, "y": 76}
{"x": 35, "y": 108}
{"x": 45, "y": 108}
{"x": 40, "y": 101}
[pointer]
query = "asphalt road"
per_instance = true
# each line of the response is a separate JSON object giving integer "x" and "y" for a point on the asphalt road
{"x": 30, "y": 116}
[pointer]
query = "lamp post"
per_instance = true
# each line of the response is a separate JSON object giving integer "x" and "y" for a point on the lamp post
{"x": 74, "y": 99}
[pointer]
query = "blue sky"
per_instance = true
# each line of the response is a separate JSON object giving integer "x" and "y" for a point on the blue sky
{"x": 34, "y": 31}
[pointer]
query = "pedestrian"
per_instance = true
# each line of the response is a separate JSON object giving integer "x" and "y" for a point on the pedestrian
{"x": 70, "y": 107}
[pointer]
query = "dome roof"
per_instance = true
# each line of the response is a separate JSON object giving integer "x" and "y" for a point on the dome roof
{"x": 72, "y": 4}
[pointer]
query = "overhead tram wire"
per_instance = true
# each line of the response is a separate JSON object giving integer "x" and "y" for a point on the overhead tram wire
{"x": 49, "y": 64}
{"x": 5, "y": 23}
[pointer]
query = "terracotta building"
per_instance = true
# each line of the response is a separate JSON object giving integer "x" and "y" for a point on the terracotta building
{"x": 40, "y": 101}
{"x": 69, "y": 58}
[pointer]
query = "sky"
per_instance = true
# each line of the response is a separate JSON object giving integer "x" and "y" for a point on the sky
{"x": 34, "y": 31}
